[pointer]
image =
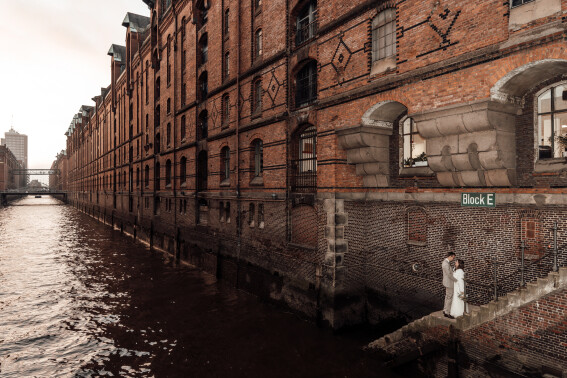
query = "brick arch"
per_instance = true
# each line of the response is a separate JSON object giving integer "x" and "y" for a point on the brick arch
{"x": 383, "y": 113}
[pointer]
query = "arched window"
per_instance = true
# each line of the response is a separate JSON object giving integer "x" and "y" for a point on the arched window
{"x": 183, "y": 128}
{"x": 157, "y": 144}
{"x": 306, "y": 23}
{"x": 413, "y": 145}
{"x": 202, "y": 171}
{"x": 552, "y": 122}
{"x": 183, "y": 28}
{"x": 225, "y": 110}
{"x": 157, "y": 119}
{"x": 226, "y": 65}
{"x": 202, "y": 14}
{"x": 137, "y": 177}
{"x": 202, "y": 127}
{"x": 168, "y": 134}
{"x": 257, "y": 96}
{"x": 204, "y": 49}
{"x": 203, "y": 86}
{"x": 257, "y": 157}
{"x": 384, "y": 41}
{"x": 226, "y": 22}
{"x": 168, "y": 106}
{"x": 258, "y": 44}
{"x": 157, "y": 88}
{"x": 168, "y": 173}
{"x": 306, "y": 84}
{"x": 183, "y": 170}
{"x": 156, "y": 177}
{"x": 225, "y": 165}
{"x": 304, "y": 159}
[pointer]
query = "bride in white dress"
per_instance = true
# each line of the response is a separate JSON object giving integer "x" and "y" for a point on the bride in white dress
{"x": 458, "y": 306}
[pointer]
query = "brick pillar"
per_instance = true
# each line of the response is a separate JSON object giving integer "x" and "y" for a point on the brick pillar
{"x": 338, "y": 307}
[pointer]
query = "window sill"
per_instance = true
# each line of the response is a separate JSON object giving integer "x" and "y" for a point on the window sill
{"x": 416, "y": 171}
{"x": 257, "y": 181}
{"x": 225, "y": 182}
{"x": 256, "y": 114}
{"x": 382, "y": 66}
{"x": 550, "y": 165}
{"x": 416, "y": 243}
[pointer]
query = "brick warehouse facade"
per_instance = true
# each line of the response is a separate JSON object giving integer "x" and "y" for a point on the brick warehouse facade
{"x": 318, "y": 158}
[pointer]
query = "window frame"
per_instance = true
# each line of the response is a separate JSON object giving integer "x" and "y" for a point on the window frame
{"x": 552, "y": 114}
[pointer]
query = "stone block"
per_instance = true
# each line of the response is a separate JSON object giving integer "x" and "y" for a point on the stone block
{"x": 435, "y": 145}
{"x": 447, "y": 179}
{"x": 428, "y": 128}
{"x": 341, "y": 219}
{"x": 462, "y": 162}
{"x": 473, "y": 178}
{"x": 372, "y": 169}
{"x": 451, "y": 125}
{"x": 500, "y": 177}
{"x": 367, "y": 155}
{"x": 376, "y": 181}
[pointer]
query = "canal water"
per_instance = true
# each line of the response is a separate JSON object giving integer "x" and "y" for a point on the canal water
{"x": 78, "y": 299}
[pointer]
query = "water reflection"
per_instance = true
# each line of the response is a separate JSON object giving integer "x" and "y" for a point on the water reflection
{"x": 78, "y": 299}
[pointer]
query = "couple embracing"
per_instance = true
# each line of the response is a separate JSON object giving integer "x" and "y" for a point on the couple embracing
{"x": 454, "y": 282}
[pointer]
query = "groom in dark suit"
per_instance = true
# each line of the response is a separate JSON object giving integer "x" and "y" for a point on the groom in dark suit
{"x": 448, "y": 282}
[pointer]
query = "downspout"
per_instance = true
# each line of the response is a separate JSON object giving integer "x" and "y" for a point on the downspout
{"x": 238, "y": 204}
{"x": 177, "y": 243}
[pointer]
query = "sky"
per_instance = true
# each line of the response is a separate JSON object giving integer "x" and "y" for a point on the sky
{"x": 53, "y": 60}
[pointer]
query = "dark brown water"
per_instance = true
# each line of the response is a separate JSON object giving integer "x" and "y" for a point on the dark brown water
{"x": 79, "y": 299}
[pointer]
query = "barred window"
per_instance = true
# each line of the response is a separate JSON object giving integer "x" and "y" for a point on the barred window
{"x": 414, "y": 145}
{"x": 384, "y": 35}
{"x": 168, "y": 107}
{"x": 304, "y": 160}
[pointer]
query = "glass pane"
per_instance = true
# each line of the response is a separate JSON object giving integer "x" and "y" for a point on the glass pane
{"x": 407, "y": 126}
{"x": 560, "y": 101}
{"x": 418, "y": 147}
{"x": 560, "y": 124}
{"x": 407, "y": 146}
{"x": 544, "y": 102}
{"x": 544, "y": 137}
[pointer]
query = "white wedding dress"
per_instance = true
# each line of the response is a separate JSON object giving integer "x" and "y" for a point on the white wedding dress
{"x": 458, "y": 305}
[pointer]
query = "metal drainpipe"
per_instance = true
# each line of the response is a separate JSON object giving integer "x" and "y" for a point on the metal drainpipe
{"x": 176, "y": 237}
{"x": 238, "y": 204}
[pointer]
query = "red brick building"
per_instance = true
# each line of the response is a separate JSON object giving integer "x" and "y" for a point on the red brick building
{"x": 8, "y": 162}
{"x": 316, "y": 152}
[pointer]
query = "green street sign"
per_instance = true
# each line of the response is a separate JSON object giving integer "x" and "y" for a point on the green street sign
{"x": 478, "y": 199}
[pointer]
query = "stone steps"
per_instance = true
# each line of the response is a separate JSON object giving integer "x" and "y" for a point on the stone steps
{"x": 481, "y": 314}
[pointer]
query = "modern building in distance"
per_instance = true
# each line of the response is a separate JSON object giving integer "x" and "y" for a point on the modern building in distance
{"x": 320, "y": 158}
{"x": 18, "y": 144}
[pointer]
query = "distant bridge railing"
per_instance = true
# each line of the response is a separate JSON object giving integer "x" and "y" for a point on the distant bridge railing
{"x": 35, "y": 172}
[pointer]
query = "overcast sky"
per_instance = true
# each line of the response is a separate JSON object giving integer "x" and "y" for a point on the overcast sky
{"x": 53, "y": 59}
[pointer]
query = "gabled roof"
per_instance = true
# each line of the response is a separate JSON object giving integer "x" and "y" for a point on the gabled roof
{"x": 136, "y": 22}
{"x": 118, "y": 53}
